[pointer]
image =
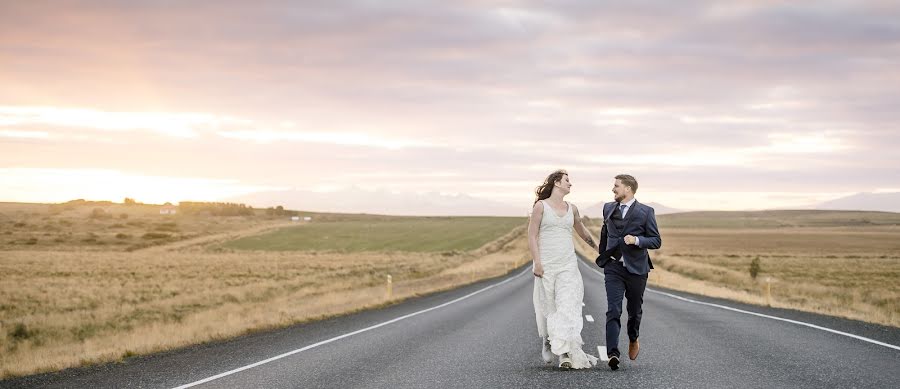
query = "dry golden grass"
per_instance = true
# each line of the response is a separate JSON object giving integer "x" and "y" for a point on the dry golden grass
{"x": 115, "y": 227}
{"x": 68, "y": 308}
{"x": 840, "y": 271}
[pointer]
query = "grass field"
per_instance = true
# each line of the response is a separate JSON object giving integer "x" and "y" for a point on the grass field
{"x": 838, "y": 263}
{"x": 71, "y": 303}
{"x": 778, "y": 219}
{"x": 409, "y": 234}
{"x": 108, "y": 227}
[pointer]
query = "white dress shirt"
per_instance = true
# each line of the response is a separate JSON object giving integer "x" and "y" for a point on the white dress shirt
{"x": 625, "y": 212}
{"x": 627, "y": 206}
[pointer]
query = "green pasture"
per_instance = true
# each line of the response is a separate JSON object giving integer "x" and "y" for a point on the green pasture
{"x": 410, "y": 234}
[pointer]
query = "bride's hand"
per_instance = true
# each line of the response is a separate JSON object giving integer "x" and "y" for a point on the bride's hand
{"x": 538, "y": 270}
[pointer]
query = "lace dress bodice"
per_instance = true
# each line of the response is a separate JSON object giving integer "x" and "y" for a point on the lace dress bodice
{"x": 555, "y": 239}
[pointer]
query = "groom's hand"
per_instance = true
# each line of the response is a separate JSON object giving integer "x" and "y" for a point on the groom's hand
{"x": 630, "y": 239}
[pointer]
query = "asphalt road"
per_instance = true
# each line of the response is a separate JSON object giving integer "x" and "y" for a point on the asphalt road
{"x": 484, "y": 335}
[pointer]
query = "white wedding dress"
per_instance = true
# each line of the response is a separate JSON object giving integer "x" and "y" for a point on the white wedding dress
{"x": 558, "y": 294}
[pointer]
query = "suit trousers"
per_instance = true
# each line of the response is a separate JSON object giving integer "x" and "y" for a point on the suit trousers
{"x": 620, "y": 283}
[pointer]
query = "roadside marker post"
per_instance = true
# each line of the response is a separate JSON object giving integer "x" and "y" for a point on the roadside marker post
{"x": 390, "y": 287}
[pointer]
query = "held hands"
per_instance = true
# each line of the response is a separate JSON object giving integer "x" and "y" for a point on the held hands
{"x": 629, "y": 239}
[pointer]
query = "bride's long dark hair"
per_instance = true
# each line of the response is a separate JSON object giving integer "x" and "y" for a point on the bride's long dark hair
{"x": 543, "y": 192}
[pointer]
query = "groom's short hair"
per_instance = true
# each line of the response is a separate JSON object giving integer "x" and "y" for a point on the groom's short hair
{"x": 628, "y": 180}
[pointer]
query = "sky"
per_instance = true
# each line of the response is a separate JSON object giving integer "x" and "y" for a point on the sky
{"x": 710, "y": 105}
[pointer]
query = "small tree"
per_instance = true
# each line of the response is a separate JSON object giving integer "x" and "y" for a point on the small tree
{"x": 130, "y": 201}
{"x": 754, "y": 267}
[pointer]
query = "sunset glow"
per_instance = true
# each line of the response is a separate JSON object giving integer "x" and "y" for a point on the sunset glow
{"x": 745, "y": 106}
{"x": 59, "y": 185}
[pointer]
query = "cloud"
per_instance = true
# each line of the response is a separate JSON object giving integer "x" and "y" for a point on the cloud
{"x": 687, "y": 94}
{"x": 339, "y": 138}
{"x": 183, "y": 125}
{"x": 24, "y": 134}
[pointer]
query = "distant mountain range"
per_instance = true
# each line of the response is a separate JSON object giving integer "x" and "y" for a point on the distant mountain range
{"x": 887, "y": 202}
{"x": 357, "y": 200}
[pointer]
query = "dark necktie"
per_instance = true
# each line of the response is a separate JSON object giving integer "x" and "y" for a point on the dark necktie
{"x": 621, "y": 258}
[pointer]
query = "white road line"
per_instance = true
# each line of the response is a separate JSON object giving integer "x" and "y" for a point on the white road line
{"x": 589, "y": 318}
{"x": 314, "y": 345}
{"x": 862, "y": 338}
{"x": 873, "y": 341}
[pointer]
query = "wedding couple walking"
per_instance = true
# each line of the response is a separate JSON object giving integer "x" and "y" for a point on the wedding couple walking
{"x": 629, "y": 230}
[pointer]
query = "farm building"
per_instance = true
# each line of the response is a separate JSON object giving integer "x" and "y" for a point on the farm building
{"x": 168, "y": 209}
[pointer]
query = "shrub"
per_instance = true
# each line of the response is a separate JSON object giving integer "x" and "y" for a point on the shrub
{"x": 170, "y": 227}
{"x": 123, "y": 236}
{"x": 754, "y": 267}
{"x": 155, "y": 235}
{"x": 99, "y": 213}
{"x": 31, "y": 241}
{"x": 20, "y": 332}
{"x": 215, "y": 209}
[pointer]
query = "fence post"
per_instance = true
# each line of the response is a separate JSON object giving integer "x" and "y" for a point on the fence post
{"x": 390, "y": 287}
{"x": 769, "y": 291}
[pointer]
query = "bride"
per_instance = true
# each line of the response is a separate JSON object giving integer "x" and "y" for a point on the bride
{"x": 558, "y": 287}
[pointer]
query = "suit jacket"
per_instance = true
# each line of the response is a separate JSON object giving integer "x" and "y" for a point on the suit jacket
{"x": 640, "y": 221}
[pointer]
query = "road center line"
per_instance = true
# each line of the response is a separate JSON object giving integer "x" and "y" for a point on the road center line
{"x": 862, "y": 338}
{"x": 314, "y": 345}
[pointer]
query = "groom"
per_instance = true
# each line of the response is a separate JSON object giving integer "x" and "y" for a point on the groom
{"x": 629, "y": 230}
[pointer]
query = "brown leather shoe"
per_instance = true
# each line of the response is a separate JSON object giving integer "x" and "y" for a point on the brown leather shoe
{"x": 634, "y": 348}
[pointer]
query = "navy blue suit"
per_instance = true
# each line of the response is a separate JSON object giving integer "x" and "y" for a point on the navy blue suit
{"x": 640, "y": 221}
{"x": 629, "y": 279}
